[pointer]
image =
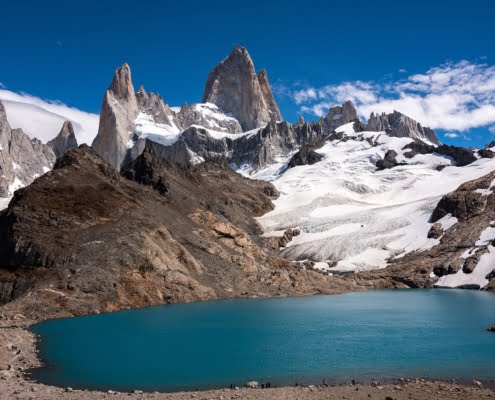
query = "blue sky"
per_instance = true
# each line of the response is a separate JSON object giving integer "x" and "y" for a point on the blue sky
{"x": 372, "y": 51}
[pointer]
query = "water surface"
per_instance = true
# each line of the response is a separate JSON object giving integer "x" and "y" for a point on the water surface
{"x": 377, "y": 334}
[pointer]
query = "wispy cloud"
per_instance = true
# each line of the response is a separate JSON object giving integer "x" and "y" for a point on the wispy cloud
{"x": 2, "y": 86}
{"x": 43, "y": 118}
{"x": 451, "y": 135}
{"x": 453, "y": 96}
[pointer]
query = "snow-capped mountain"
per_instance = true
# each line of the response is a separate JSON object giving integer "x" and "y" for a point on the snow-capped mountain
{"x": 360, "y": 193}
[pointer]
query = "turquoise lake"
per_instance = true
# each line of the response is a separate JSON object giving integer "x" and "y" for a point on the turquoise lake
{"x": 377, "y": 334}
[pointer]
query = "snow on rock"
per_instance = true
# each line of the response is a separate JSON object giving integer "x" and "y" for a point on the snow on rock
{"x": 147, "y": 128}
{"x": 476, "y": 279}
{"x": 353, "y": 215}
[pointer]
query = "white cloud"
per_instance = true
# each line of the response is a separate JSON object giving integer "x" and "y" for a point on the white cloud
{"x": 451, "y": 135}
{"x": 454, "y": 96}
{"x": 43, "y": 119}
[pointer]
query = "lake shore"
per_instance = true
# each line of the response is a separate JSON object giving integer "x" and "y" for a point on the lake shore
{"x": 18, "y": 353}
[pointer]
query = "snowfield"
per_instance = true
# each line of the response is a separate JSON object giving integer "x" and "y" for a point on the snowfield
{"x": 354, "y": 217}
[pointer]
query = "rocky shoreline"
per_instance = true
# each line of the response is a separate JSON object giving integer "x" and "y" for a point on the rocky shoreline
{"x": 19, "y": 354}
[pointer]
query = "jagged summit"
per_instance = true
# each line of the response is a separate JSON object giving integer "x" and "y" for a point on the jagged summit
{"x": 121, "y": 86}
{"x": 400, "y": 125}
{"x": 119, "y": 109}
{"x": 235, "y": 88}
{"x": 64, "y": 141}
{"x": 340, "y": 115}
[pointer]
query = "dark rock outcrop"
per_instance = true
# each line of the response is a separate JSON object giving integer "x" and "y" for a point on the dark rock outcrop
{"x": 459, "y": 155}
{"x": 486, "y": 153}
{"x": 235, "y": 88}
{"x": 435, "y": 231}
{"x": 305, "y": 156}
{"x": 64, "y": 141}
{"x": 388, "y": 161}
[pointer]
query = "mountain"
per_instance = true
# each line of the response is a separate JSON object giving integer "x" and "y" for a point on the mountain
{"x": 119, "y": 110}
{"x": 64, "y": 141}
{"x": 400, "y": 125}
{"x": 236, "y": 89}
{"x": 178, "y": 234}
{"x": 21, "y": 159}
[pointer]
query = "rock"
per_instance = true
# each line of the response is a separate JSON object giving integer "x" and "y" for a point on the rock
{"x": 400, "y": 125}
{"x": 485, "y": 153}
{"x": 22, "y": 159}
{"x": 64, "y": 141}
{"x": 305, "y": 156}
{"x": 463, "y": 203}
{"x": 471, "y": 262}
{"x": 153, "y": 104}
{"x": 477, "y": 383}
{"x": 236, "y": 89}
{"x": 252, "y": 385}
{"x": 339, "y": 115}
{"x": 287, "y": 237}
{"x": 146, "y": 170}
{"x": 491, "y": 328}
{"x": 435, "y": 231}
{"x": 388, "y": 161}
{"x": 119, "y": 110}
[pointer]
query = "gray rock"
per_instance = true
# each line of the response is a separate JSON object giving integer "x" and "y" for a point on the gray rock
{"x": 22, "y": 159}
{"x": 153, "y": 104}
{"x": 235, "y": 88}
{"x": 340, "y": 115}
{"x": 400, "y": 125}
{"x": 118, "y": 113}
{"x": 64, "y": 141}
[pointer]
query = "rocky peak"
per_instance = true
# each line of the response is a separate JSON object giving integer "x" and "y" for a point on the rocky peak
{"x": 235, "y": 88}
{"x": 340, "y": 115}
{"x": 121, "y": 86}
{"x": 153, "y": 104}
{"x": 22, "y": 159}
{"x": 119, "y": 110}
{"x": 64, "y": 141}
{"x": 400, "y": 125}
{"x": 268, "y": 95}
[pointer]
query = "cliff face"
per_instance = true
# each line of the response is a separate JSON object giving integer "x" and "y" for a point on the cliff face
{"x": 119, "y": 110}
{"x": 236, "y": 89}
{"x": 22, "y": 159}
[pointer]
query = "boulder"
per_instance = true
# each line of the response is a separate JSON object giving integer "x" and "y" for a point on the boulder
{"x": 435, "y": 231}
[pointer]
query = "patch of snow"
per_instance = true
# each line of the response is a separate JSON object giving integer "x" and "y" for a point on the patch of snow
{"x": 4, "y": 202}
{"x": 16, "y": 184}
{"x": 447, "y": 222}
{"x": 147, "y": 128}
{"x": 46, "y": 169}
{"x": 176, "y": 109}
{"x": 486, "y": 236}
